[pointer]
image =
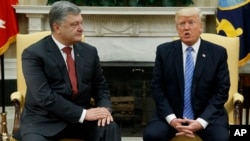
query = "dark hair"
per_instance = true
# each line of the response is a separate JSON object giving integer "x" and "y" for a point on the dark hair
{"x": 59, "y": 10}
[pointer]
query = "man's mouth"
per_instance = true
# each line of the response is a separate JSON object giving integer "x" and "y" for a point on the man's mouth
{"x": 186, "y": 34}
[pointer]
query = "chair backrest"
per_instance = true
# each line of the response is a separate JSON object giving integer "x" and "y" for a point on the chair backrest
{"x": 232, "y": 45}
{"x": 22, "y": 42}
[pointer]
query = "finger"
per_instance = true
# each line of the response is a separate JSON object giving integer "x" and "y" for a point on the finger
{"x": 104, "y": 121}
{"x": 99, "y": 122}
{"x": 111, "y": 118}
{"x": 190, "y": 135}
{"x": 180, "y": 133}
{"x": 185, "y": 134}
{"x": 185, "y": 130}
{"x": 180, "y": 127}
{"x": 188, "y": 132}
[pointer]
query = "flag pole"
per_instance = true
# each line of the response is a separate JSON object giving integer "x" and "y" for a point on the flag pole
{"x": 2, "y": 83}
{"x": 4, "y": 130}
{"x": 9, "y": 29}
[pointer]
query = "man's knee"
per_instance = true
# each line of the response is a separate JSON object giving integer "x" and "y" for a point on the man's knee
{"x": 34, "y": 137}
{"x": 150, "y": 135}
{"x": 113, "y": 126}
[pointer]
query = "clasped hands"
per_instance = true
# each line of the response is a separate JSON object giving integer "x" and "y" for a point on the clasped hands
{"x": 186, "y": 127}
{"x": 101, "y": 114}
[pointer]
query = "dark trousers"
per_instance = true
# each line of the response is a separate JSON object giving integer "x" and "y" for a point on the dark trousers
{"x": 159, "y": 130}
{"x": 88, "y": 131}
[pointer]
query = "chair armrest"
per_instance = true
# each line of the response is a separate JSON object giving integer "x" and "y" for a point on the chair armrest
{"x": 238, "y": 103}
{"x": 17, "y": 100}
{"x": 237, "y": 97}
{"x": 12, "y": 139}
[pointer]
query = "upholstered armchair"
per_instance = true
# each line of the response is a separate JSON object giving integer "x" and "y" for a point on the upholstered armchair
{"x": 233, "y": 104}
{"x": 17, "y": 98}
{"x": 235, "y": 100}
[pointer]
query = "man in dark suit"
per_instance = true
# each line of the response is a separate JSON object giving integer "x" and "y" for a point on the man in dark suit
{"x": 54, "y": 106}
{"x": 209, "y": 86}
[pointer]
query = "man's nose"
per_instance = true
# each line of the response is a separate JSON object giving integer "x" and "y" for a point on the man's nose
{"x": 186, "y": 25}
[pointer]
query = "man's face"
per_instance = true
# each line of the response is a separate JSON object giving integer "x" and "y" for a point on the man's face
{"x": 189, "y": 29}
{"x": 70, "y": 30}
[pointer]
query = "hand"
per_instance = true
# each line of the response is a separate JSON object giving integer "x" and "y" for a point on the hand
{"x": 176, "y": 123}
{"x": 105, "y": 121}
{"x": 99, "y": 113}
{"x": 188, "y": 127}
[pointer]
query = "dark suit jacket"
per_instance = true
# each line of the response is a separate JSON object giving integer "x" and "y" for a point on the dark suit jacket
{"x": 49, "y": 105}
{"x": 210, "y": 84}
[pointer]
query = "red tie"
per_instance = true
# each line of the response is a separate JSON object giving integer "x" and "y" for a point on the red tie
{"x": 71, "y": 69}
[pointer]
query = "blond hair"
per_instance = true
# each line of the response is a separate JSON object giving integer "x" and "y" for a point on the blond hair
{"x": 189, "y": 11}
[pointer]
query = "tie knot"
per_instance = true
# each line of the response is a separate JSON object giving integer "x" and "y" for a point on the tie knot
{"x": 67, "y": 50}
{"x": 189, "y": 49}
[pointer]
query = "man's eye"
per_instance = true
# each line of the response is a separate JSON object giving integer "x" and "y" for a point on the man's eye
{"x": 191, "y": 22}
{"x": 182, "y": 24}
{"x": 74, "y": 24}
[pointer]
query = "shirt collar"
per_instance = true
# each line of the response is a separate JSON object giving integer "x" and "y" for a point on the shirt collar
{"x": 195, "y": 46}
{"x": 60, "y": 45}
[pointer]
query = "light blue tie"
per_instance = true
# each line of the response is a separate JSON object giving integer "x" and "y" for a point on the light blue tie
{"x": 189, "y": 69}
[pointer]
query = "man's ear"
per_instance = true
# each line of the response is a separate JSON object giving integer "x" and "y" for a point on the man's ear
{"x": 56, "y": 27}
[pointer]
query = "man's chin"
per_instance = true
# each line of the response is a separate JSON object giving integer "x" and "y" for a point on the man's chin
{"x": 78, "y": 39}
{"x": 187, "y": 41}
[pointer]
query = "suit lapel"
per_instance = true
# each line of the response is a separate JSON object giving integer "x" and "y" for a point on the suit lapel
{"x": 56, "y": 56}
{"x": 80, "y": 60}
{"x": 179, "y": 64}
{"x": 201, "y": 60}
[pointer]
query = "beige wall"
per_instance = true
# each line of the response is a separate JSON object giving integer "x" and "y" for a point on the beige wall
{"x": 205, "y": 2}
{"x": 32, "y": 2}
{"x": 197, "y": 2}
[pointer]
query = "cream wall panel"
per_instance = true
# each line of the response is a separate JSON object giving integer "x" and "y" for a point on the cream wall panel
{"x": 32, "y": 2}
{"x": 197, "y": 2}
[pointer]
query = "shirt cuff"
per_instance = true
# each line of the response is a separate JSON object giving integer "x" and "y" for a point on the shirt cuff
{"x": 82, "y": 116}
{"x": 170, "y": 117}
{"x": 202, "y": 122}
